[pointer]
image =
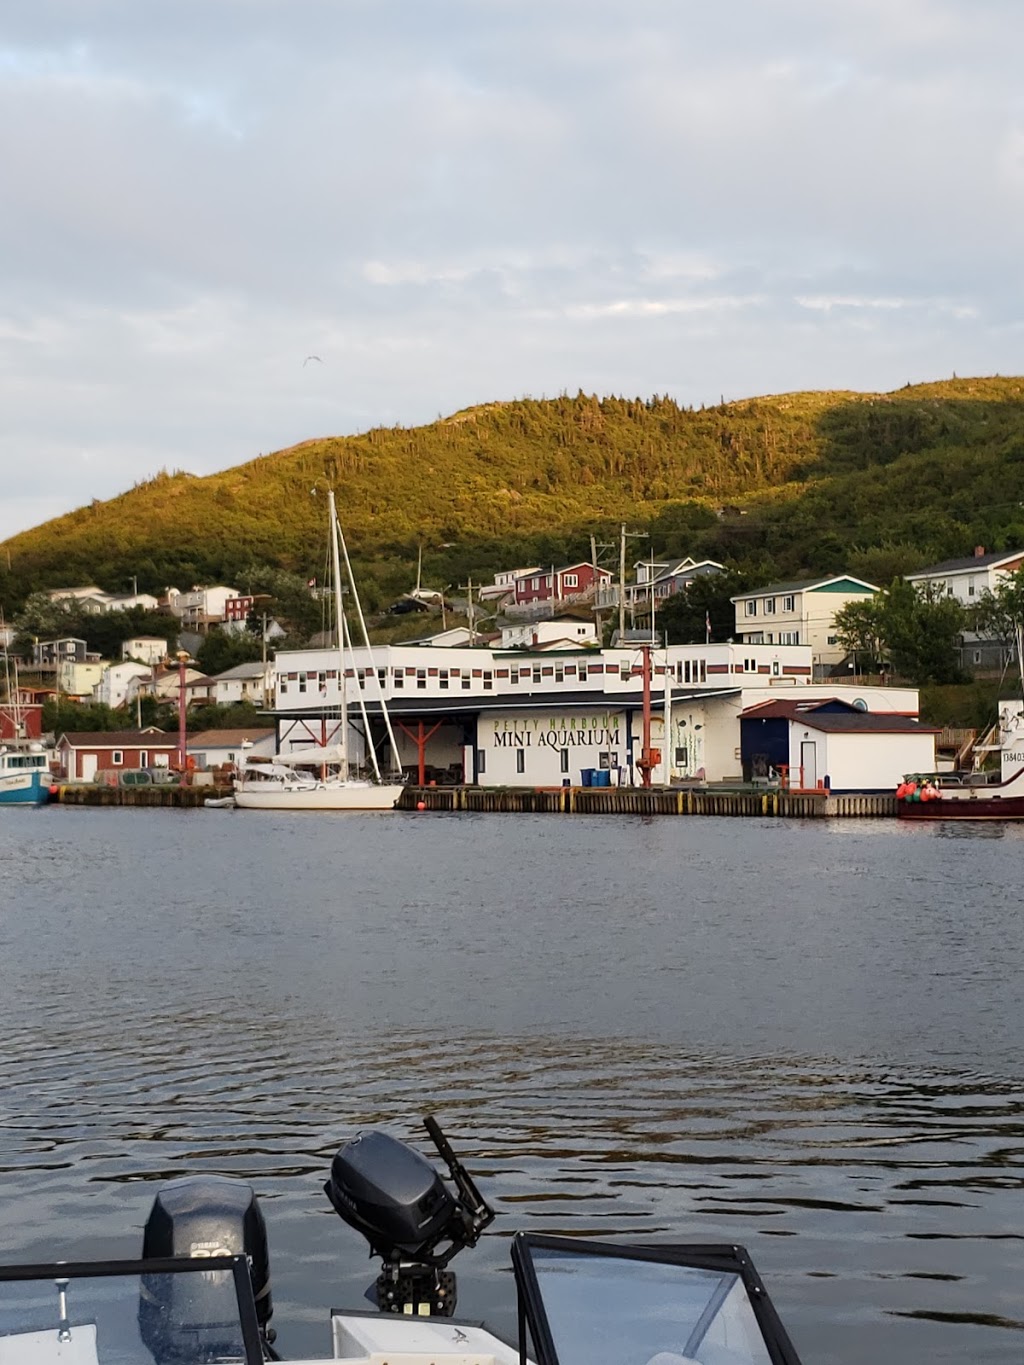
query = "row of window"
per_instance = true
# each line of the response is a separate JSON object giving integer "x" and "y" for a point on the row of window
{"x": 768, "y": 605}
{"x": 784, "y": 637}
{"x": 607, "y": 760}
{"x": 689, "y": 670}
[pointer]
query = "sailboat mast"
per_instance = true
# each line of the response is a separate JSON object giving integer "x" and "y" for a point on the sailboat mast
{"x": 339, "y": 622}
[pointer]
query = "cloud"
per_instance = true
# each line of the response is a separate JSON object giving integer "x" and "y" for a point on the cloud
{"x": 461, "y": 202}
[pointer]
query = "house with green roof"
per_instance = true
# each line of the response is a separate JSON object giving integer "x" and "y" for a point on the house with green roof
{"x": 801, "y": 612}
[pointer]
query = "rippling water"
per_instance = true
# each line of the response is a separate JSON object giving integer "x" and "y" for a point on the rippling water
{"x": 803, "y": 1037}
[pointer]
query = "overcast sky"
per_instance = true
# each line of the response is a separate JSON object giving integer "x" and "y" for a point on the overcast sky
{"x": 456, "y": 201}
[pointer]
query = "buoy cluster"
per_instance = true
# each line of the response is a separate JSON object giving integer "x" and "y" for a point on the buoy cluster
{"x": 918, "y": 789}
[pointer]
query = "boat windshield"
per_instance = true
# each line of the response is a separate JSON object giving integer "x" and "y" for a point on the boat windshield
{"x": 634, "y": 1309}
{"x": 188, "y": 1312}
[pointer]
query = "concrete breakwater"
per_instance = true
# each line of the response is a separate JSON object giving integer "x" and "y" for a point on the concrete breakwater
{"x": 541, "y": 801}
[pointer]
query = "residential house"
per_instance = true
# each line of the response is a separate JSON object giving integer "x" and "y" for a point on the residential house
{"x": 145, "y": 649}
{"x": 504, "y": 584}
{"x": 217, "y": 748}
{"x": 565, "y": 630}
{"x": 112, "y": 688}
{"x": 83, "y": 754}
{"x": 48, "y": 654}
{"x": 252, "y": 682}
{"x": 662, "y": 579}
{"x": 559, "y": 585}
{"x": 204, "y": 607}
{"x": 161, "y": 682}
{"x": 802, "y": 612}
{"x": 966, "y": 579}
{"x": 238, "y": 608}
{"x": 833, "y": 743}
{"x": 78, "y": 681}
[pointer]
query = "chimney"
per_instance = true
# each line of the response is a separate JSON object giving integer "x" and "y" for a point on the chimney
{"x": 979, "y": 550}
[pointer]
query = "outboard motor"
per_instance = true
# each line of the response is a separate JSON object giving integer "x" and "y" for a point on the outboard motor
{"x": 203, "y": 1215}
{"x": 410, "y": 1218}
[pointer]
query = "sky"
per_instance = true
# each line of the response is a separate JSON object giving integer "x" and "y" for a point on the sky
{"x": 452, "y": 202}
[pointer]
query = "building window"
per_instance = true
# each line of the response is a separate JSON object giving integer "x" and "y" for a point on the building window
{"x": 788, "y": 604}
{"x": 977, "y": 652}
{"x": 564, "y": 759}
{"x": 769, "y": 606}
{"x": 382, "y": 678}
{"x": 583, "y": 673}
{"x": 465, "y": 682}
{"x": 751, "y": 608}
{"x": 117, "y": 758}
{"x": 399, "y": 677}
{"x": 559, "y": 673}
{"x": 831, "y": 639}
{"x": 283, "y": 685}
{"x": 513, "y": 677}
{"x": 749, "y": 665}
{"x": 570, "y": 580}
{"x": 488, "y": 681}
{"x": 481, "y": 761}
{"x": 421, "y": 679}
{"x": 443, "y": 680}
{"x": 520, "y": 760}
{"x": 302, "y": 682}
{"x": 536, "y": 673}
{"x": 143, "y": 759}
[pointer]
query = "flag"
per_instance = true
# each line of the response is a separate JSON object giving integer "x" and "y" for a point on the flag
{"x": 310, "y": 582}
{"x": 707, "y": 627}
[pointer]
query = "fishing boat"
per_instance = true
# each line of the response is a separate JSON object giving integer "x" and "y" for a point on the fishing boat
{"x": 320, "y": 777}
{"x": 24, "y": 775}
{"x": 977, "y": 795}
{"x": 201, "y": 1292}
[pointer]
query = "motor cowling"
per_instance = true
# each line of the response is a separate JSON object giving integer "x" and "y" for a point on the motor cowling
{"x": 392, "y": 1195}
{"x": 202, "y": 1216}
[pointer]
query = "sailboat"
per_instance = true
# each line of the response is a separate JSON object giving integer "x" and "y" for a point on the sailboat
{"x": 319, "y": 778}
{"x": 24, "y": 765}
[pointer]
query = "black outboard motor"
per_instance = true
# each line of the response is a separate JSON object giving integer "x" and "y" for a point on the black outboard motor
{"x": 203, "y": 1215}
{"x": 410, "y": 1218}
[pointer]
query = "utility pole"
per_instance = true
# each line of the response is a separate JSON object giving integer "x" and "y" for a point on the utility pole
{"x": 469, "y": 614}
{"x": 625, "y": 535}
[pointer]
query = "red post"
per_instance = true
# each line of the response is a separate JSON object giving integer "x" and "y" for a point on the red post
{"x": 646, "y": 764}
{"x": 182, "y": 743}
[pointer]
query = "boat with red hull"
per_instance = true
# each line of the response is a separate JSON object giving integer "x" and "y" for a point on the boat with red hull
{"x": 945, "y": 797}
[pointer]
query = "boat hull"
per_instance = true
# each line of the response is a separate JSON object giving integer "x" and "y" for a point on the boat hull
{"x": 343, "y": 796}
{"x": 964, "y": 808}
{"x": 24, "y": 788}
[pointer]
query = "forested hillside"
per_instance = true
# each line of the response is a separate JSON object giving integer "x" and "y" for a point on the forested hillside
{"x": 797, "y": 483}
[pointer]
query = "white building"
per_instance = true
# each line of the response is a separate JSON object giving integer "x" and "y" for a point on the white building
{"x": 200, "y": 607}
{"x": 800, "y": 613}
{"x": 112, "y": 688}
{"x": 506, "y": 717}
{"x": 252, "y": 682}
{"x": 215, "y": 748}
{"x": 145, "y": 649}
{"x": 967, "y": 579}
{"x": 563, "y": 630}
{"x": 78, "y": 681}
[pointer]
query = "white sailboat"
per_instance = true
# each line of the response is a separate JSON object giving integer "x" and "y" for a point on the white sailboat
{"x": 319, "y": 778}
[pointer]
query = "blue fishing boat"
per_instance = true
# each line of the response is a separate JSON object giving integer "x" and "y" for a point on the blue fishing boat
{"x": 24, "y": 776}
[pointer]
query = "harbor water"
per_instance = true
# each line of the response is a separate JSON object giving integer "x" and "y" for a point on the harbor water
{"x": 801, "y": 1036}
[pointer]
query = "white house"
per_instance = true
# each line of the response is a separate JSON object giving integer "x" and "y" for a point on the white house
{"x": 112, "y": 688}
{"x": 966, "y": 579}
{"x": 201, "y": 607}
{"x": 802, "y": 612}
{"x": 833, "y": 743}
{"x": 555, "y": 629}
{"x": 504, "y": 584}
{"x": 145, "y": 649}
{"x": 215, "y": 748}
{"x": 252, "y": 682}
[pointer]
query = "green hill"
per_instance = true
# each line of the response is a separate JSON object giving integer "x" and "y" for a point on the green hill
{"x": 801, "y": 482}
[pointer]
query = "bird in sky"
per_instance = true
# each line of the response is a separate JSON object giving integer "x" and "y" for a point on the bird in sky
{"x": 309, "y": 358}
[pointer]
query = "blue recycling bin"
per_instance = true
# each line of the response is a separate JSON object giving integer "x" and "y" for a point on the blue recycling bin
{"x": 601, "y": 778}
{"x": 587, "y": 777}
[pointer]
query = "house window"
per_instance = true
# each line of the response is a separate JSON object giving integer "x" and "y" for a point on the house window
{"x": 583, "y": 673}
{"x": 513, "y": 677}
{"x": 520, "y": 760}
{"x": 535, "y": 584}
{"x": 465, "y": 682}
{"x": 570, "y": 580}
{"x": 752, "y": 608}
{"x": 749, "y": 665}
{"x": 788, "y": 604}
{"x": 399, "y": 677}
{"x": 769, "y": 606}
{"x": 481, "y": 761}
{"x": 117, "y": 758}
{"x": 625, "y": 671}
{"x": 382, "y": 678}
{"x": 443, "y": 680}
{"x": 302, "y": 682}
{"x": 559, "y": 673}
{"x": 536, "y": 673}
{"x": 421, "y": 679}
{"x": 977, "y": 652}
{"x": 789, "y": 637}
{"x": 361, "y": 675}
{"x": 563, "y": 755}
{"x": 283, "y": 684}
{"x": 488, "y": 682}
{"x": 143, "y": 759}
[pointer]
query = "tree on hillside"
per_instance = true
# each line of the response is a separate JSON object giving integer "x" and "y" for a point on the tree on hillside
{"x": 685, "y": 615}
{"x": 915, "y": 629}
{"x": 221, "y": 651}
{"x": 1001, "y": 614}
